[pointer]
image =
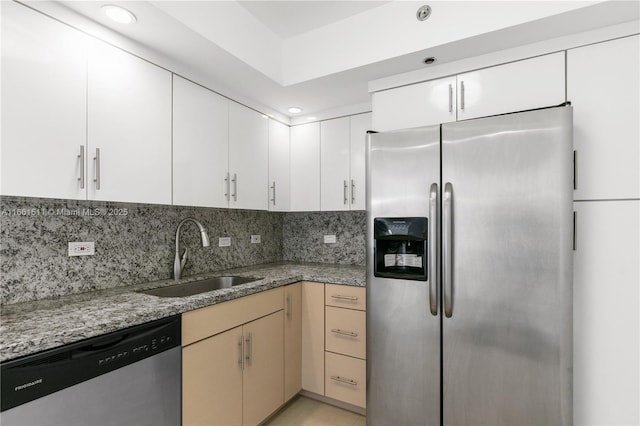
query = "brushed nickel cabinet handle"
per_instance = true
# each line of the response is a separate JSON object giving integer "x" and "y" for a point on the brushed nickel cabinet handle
{"x": 462, "y": 95}
{"x": 96, "y": 159}
{"x": 344, "y": 192}
{"x": 273, "y": 200}
{"x": 227, "y": 187}
{"x": 450, "y": 98}
{"x": 343, "y": 380}
{"x": 353, "y": 191}
{"x": 289, "y": 305}
{"x": 342, "y": 297}
{"x": 249, "y": 355}
{"x": 344, "y": 333}
{"x": 81, "y": 158}
{"x": 241, "y": 350}
{"x": 235, "y": 187}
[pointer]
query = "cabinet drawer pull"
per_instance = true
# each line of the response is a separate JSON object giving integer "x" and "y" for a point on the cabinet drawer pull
{"x": 341, "y": 297}
{"x": 289, "y": 305}
{"x": 344, "y": 333}
{"x": 241, "y": 350}
{"x": 353, "y": 191}
{"x": 249, "y": 355}
{"x": 344, "y": 192}
{"x": 235, "y": 187}
{"x": 450, "y": 98}
{"x": 462, "y": 95}
{"x": 81, "y": 157}
{"x": 343, "y": 380}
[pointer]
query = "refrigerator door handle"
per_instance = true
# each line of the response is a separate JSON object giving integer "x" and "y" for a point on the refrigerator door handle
{"x": 433, "y": 249}
{"x": 447, "y": 249}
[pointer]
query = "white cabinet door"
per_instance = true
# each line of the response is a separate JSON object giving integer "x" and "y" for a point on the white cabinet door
{"x": 416, "y": 105}
{"x": 44, "y": 84}
{"x": 517, "y": 86}
{"x": 359, "y": 125}
{"x": 334, "y": 164}
{"x": 278, "y": 166}
{"x": 605, "y": 313}
{"x": 200, "y": 145}
{"x": 248, "y": 158}
{"x": 129, "y": 123}
{"x": 603, "y": 87}
{"x": 305, "y": 167}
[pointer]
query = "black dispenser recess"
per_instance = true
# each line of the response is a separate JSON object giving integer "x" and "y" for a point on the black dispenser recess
{"x": 400, "y": 247}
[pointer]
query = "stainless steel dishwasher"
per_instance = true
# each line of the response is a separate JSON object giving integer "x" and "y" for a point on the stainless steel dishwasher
{"x": 129, "y": 377}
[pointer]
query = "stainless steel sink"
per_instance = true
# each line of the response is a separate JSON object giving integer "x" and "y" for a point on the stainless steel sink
{"x": 196, "y": 287}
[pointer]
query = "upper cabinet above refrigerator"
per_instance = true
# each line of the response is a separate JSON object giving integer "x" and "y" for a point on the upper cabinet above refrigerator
{"x": 517, "y": 86}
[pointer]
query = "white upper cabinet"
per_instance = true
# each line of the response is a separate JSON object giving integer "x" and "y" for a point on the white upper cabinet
{"x": 129, "y": 127}
{"x": 248, "y": 158}
{"x": 342, "y": 159}
{"x": 44, "y": 91}
{"x": 279, "y": 199}
{"x": 334, "y": 164}
{"x": 603, "y": 87}
{"x": 200, "y": 145}
{"x": 305, "y": 167}
{"x": 360, "y": 124}
{"x": 517, "y": 86}
{"x": 416, "y": 105}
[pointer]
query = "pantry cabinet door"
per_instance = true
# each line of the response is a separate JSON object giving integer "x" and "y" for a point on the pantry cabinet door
{"x": 416, "y": 105}
{"x": 44, "y": 94}
{"x": 129, "y": 127}
{"x": 334, "y": 164}
{"x": 517, "y": 86}
{"x": 248, "y": 158}
{"x": 606, "y": 336}
{"x": 305, "y": 167}
{"x": 200, "y": 145}
{"x": 279, "y": 199}
{"x": 603, "y": 87}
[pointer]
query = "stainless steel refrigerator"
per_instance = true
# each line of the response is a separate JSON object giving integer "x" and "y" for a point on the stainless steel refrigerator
{"x": 469, "y": 272}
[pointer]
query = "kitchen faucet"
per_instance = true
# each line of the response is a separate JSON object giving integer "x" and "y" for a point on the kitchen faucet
{"x": 179, "y": 264}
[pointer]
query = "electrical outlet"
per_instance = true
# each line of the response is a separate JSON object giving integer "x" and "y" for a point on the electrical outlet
{"x": 224, "y": 241}
{"x": 82, "y": 248}
{"x": 255, "y": 239}
{"x": 329, "y": 239}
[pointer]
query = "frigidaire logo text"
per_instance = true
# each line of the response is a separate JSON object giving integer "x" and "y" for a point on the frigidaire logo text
{"x": 28, "y": 385}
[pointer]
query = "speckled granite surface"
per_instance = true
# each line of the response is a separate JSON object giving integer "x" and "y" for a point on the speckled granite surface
{"x": 303, "y": 232}
{"x": 30, "y": 327}
{"x": 134, "y": 244}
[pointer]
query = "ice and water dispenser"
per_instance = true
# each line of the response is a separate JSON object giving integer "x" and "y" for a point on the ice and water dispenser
{"x": 400, "y": 247}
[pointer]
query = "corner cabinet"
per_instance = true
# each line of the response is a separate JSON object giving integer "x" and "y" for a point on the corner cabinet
{"x": 305, "y": 167}
{"x": 44, "y": 110}
{"x": 129, "y": 128}
{"x": 279, "y": 198}
{"x": 233, "y": 361}
{"x": 292, "y": 340}
{"x": 200, "y": 145}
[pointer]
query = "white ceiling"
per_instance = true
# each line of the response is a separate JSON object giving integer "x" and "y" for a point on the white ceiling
{"x": 291, "y": 18}
{"x": 319, "y": 55}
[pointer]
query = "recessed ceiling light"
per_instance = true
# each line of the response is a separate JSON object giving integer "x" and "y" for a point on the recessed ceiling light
{"x": 295, "y": 110}
{"x": 118, "y": 14}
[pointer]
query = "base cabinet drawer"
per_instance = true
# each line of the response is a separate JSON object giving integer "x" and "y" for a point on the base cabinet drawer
{"x": 344, "y": 296}
{"x": 345, "y": 332}
{"x": 345, "y": 379}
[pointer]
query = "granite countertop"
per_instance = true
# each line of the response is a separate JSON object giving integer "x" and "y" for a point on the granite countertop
{"x": 30, "y": 327}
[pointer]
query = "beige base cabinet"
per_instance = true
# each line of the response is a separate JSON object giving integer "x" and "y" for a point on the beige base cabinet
{"x": 233, "y": 376}
{"x": 313, "y": 337}
{"x": 292, "y": 340}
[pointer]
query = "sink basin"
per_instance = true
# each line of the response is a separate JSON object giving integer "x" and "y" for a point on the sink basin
{"x": 196, "y": 287}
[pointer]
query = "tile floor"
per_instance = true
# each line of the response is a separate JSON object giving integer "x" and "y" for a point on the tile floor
{"x": 305, "y": 411}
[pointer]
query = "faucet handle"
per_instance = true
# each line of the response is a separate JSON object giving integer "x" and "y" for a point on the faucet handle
{"x": 184, "y": 259}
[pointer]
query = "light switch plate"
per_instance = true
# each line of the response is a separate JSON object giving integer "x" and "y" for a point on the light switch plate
{"x": 255, "y": 239}
{"x": 224, "y": 241}
{"x": 329, "y": 239}
{"x": 82, "y": 248}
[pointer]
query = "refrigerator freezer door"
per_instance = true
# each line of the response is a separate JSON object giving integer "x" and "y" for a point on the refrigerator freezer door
{"x": 507, "y": 351}
{"x": 403, "y": 336}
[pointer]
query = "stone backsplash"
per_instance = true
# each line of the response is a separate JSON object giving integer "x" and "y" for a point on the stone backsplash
{"x": 134, "y": 243}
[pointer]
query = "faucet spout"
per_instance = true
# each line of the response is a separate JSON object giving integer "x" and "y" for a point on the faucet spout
{"x": 178, "y": 263}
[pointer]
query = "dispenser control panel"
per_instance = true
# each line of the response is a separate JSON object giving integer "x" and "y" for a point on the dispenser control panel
{"x": 400, "y": 246}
